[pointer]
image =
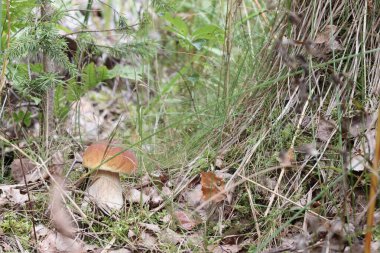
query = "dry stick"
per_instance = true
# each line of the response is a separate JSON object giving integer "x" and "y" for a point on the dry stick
{"x": 253, "y": 209}
{"x": 373, "y": 189}
{"x": 227, "y": 51}
{"x": 5, "y": 59}
{"x": 49, "y": 96}
{"x": 30, "y": 204}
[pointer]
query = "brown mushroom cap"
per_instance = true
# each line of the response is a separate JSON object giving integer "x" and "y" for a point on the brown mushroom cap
{"x": 98, "y": 155}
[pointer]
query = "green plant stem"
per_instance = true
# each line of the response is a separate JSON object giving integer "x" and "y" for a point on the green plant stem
{"x": 5, "y": 59}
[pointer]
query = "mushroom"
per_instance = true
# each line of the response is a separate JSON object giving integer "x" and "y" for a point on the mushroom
{"x": 108, "y": 161}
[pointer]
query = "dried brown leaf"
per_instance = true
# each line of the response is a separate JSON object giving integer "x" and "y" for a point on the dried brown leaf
{"x": 135, "y": 196}
{"x": 9, "y": 194}
{"x": 194, "y": 196}
{"x": 325, "y": 129}
{"x": 357, "y": 124}
{"x": 327, "y": 34}
{"x": 59, "y": 214}
{"x": 287, "y": 158}
{"x": 224, "y": 248}
{"x": 169, "y": 236}
{"x": 212, "y": 187}
{"x": 185, "y": 220}
{"x": 147, "y": 240}
{"x": 154, "y": 195}
{"x": 22, "y": 166}
{"x": 151, "y": 227}
{"x": 119, "y": 251}
{"x": 59, "y": 243}
{"x": 363, "y": 152}
{"x": 309, "y": 149}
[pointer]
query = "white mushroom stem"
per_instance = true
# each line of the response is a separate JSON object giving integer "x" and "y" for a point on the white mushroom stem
{"x": 106, "y": 190}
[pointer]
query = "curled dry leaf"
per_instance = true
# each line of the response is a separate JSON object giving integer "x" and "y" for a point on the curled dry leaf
{"x": 151, "y": 227}
{"x": 147, "y": 240}
{"x": 135, "y": 196}
{"x": 363, "y": 152}
{"x": 212, "y": 187}
{"x": 22, "y": 166}
{"x": 154, "y": 196}
{"x": 325, "y": 129}
{"x": 119, "y": 251}
{"x": 309, "y": 149}
{"x": 357, "y": 124}
{"x": 170, "y": 236}
{"x": 287, "y": 158}
{"x": 185, "y": 220}
{"x": 194, "y": 196}
{"x": 224, "y": 248}
{"x": 11, "y": 195}
{"x": 59, "y": 215}
{"x": 326, "y": 34}
{"x": 50, "y": 241}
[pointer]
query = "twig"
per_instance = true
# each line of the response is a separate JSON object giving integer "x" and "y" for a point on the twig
{"x": 253, "y": 209}
{"x": 101, "y": 31}
{"x": 373, "y": 189}
{"x": 47, "y": 63}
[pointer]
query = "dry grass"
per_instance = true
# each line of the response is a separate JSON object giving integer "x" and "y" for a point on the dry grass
{"x": 280, "y": 132}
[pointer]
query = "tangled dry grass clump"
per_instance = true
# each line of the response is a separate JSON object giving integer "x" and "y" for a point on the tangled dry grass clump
{"x": 317, "y": 113}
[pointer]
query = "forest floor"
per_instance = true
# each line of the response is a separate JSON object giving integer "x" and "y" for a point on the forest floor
{"x": 254, "y": 126}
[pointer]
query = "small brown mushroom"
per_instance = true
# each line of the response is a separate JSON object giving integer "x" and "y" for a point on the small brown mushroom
{"x": 108, "y": 161}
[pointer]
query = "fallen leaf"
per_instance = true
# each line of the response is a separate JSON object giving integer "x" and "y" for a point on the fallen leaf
{"x": 22, "y": 166}
{"x": 131, "y": 234}
{"x": 58, "y": 243}
{"x": 169, "y": 236}
{"x": 363, "y": 152}
{"x": 357, "y": 163}
{"x": 166, "y": 219}
{"x": 6, "y": 247}
{"x": 59, "y": 214}
{"x": 224, "y": 248}
{"x": 185, "y": 220}
{"x": 287, "y": 158}
{"x": 147, "y": 240}
{"x": 212, "y": 187}
{"x": 326, "y": 35}
{"x": 309, "y": 149}
{"x": 9, "y": 194}
{"x": 325, "y": 129}
{"x": 119, "y": 251}
{"x": 219, "y": 161}
{"x": 135, "y": 196}
{"x": 357, "y": 124}
{"x": 151, "y": 227}
{"x": 154, "y": 196}
{"x": 194, "y": 196}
